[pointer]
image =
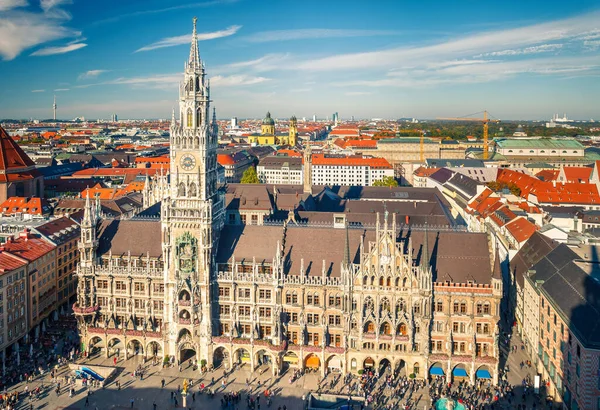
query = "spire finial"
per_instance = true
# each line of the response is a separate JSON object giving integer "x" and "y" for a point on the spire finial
{"x": 346, "y": 261}
{"x": 425, "y": 252}
{"x": 194, "y": 54}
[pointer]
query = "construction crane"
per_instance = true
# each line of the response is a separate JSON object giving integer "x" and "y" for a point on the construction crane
{"x": 485, "y": 120}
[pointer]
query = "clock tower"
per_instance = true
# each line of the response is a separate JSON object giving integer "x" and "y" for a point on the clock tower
{"x": 192, "y": 216}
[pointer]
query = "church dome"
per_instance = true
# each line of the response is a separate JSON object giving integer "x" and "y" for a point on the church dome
{"x": 268, "y": 120}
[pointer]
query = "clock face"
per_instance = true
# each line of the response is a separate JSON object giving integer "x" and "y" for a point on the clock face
{"x": 188, "y": 162}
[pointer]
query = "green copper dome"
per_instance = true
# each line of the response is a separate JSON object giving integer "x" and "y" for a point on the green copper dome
{"x": 268, "y": 120}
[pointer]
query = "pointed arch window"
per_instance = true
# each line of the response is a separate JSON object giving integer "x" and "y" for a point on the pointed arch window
{"x": 181, "y": 190}
{"x": 189, "y": 118}
{"x": 199, "y": 117}
{"x": 192, "y": 191}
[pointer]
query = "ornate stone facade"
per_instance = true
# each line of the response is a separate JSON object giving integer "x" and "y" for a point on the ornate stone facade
{"x": 341, "y": 296}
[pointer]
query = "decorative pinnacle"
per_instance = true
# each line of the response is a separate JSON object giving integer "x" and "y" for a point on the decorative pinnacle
{"x": 194, "y": 60}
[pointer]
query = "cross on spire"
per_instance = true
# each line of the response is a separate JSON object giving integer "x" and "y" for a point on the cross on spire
{"x": 194, "y": 61}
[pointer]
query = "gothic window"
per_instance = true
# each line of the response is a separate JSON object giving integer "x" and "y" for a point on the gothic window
{"x": 365, "y": 281}
{"x": 463, "y": 307}
{"x": 189, "y": 118}
{"x": 479, "y": 308}
{"x": 439, "y": 307}
{"x": 372, "y": 280}
{"x": 192, "y": 191}
{"x": 386, "y": 329}
{"x": 181, "y": 191}
{"x": 369, "y": 305}
{"x": 385, "y": 305}
{"x": 191, "y": 85}
{"x": 401, "y": 306}
{"x": 381, "y": 281}
{"x": 455, "y": 307}
{"x": 404, "y": 283}
{"x": 402, "y": 330}
{"x": 389, "y": 282}
{"x": 370, "y": 327}
{"x": 197, "y": 84}
{"x": 397, "y": 282}
{"x": 199, "y": 117}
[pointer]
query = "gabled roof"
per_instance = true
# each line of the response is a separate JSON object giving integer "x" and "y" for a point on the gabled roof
{"x": 11, "y": 155}
{"x": 577, "y": 174}
{"x": 521, "y": 229}
{"x": 549, "y": 192}
{"x": 138, "y": 237}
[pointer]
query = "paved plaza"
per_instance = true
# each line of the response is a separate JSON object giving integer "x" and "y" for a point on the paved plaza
{"x": 123, "y": 388}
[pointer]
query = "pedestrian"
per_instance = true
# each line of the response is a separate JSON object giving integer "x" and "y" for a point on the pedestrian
{"x": 154, "y": 405}
{"x": 162, "y": 384}
{"x": 194, "y": 397}
{"x": 132, "y": 401}
{"x": 87, "y": 401}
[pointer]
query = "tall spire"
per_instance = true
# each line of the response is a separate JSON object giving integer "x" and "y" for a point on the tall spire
{"x": 425, "y": 253}
{"x": 87, "y": 211}
{"x": 194, "y": 61}
{"x": 346, "y": 261}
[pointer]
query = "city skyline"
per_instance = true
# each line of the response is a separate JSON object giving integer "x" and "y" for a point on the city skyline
{"x": 407, "y": 60}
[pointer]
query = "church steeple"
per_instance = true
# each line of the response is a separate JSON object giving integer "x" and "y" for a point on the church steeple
{"x": 194, "y": 61}
{"x": 425, "y": 252}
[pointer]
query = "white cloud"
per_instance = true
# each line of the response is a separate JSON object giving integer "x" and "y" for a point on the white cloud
{"x": 23, "y": 29}
{"x": 38, "y": 91}
{"x": 543, "y": 48}
{"x": 49, "y": 51}
{"x": 166, "y": 82}
{"x": 61, "y": 89}
{"x": 464, "y": 47}
{"x": 187, "y": 38}
{"x": 50, "y": 4}
{"x": 90, "y": 74}
{"x": 12, "y": 4}
{"x": 313, "y": 33}
{"x": 460, "y": 73}
{"x": 591, "y": 44}
{"x": 165, "y": 9}
{"x": 268, "y": 62}
{"x": 236, "y": 80}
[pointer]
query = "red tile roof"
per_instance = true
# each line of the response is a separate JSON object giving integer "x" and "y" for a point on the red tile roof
{"x": 425, "y": 172}
{"x": 27, "y": 246}
{"x": 484, "y": 204}
{"x": 521, "y": 229}
{"x": 114, "y": 172}
{"x": 31, "y": 206}
{"x": 289, "y": 152}
{"x": 225, "y": 159}
{"x": 548, "y": 175}
{"x": 577, "y": 174}
{"x": 361, "y": 144}
{"x": 551, "y": 192}
{"x": 13, "y": 160}
{"x": 321, "y": 159}
{"x": 9, "y": 262}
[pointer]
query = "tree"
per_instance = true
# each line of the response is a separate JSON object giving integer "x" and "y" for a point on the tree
{"x": 250, "y": 176}
{"x": 386, "y": 181}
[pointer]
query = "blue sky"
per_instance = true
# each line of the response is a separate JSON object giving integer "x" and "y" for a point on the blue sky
{"x": 517, "y": 59}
